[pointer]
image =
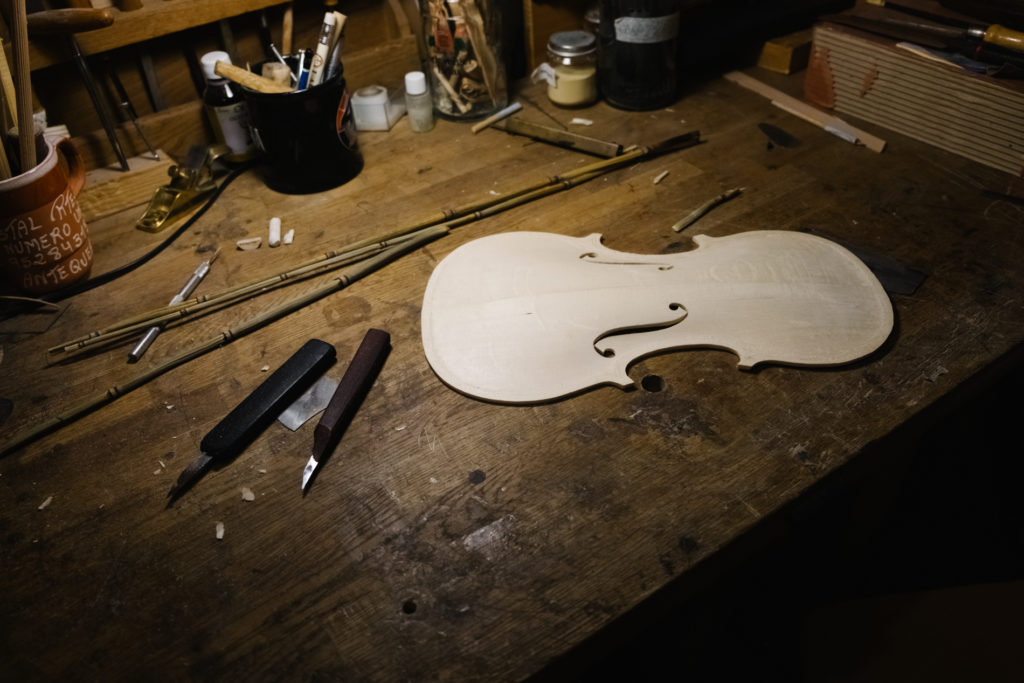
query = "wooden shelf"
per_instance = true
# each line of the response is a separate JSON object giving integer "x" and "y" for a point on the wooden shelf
{"x": 156, "y": 18}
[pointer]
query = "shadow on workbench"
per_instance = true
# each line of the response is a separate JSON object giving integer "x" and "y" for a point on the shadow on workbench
{"x": 916, "y": 573}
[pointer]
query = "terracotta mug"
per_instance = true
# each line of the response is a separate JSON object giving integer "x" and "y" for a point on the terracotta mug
{"x": 44, "y": 245}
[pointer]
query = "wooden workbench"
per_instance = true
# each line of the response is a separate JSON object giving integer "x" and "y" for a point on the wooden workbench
{"x": 449, "y": 538}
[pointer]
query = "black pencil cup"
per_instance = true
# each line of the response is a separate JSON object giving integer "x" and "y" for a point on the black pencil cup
{"x": 307, "y": 137}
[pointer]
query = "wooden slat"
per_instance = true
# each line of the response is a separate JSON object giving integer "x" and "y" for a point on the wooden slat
{"x": 156, "y": 18}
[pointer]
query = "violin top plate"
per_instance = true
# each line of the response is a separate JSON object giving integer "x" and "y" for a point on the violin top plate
{"x": 526, "y": 317}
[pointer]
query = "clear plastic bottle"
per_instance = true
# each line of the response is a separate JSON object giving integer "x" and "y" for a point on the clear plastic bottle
{"x": 227, "y": 110}
{"x": 418, "y": 102}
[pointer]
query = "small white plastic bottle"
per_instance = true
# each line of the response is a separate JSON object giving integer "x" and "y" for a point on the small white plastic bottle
{"x": 418, "y": 102}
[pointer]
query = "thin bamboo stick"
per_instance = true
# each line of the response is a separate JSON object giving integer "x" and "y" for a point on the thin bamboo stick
{"x": 449, "y": 218}
{"x": 205, "y": 303}
{"x": 23, "y": 86}
{"x": 169, "y": 315}
{"x": 91, "y": 403}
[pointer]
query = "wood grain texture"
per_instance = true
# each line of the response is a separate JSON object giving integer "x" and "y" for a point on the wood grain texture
{"x": 108, "y": 190}
{"x": 527, "y": 317}
{"x": 448, "y": 538}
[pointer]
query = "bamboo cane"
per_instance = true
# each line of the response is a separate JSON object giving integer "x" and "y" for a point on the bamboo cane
{"x": 91, "y": 403}
{"x": 449, "y": 218}
{"x": 23, "y": 87}
{"x": 166, "y": 315}
{"x": 170, "y": 316}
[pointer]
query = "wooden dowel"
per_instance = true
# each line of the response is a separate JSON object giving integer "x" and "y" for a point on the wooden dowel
{"x": 5, "y": 167}
{"x": 287, "y": 23}
{"x": 23, "y": 86}
{"x": 497, "y": 116}
{"x": 7, "y": 81}
{"x": 248, "y": 78}
{"x": 692, "y": 217}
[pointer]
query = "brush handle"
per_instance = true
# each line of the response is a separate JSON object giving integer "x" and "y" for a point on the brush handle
{"x": 1004, "y": 37}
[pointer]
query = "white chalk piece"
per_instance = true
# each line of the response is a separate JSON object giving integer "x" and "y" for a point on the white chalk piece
{"x": 219, "y": 530}
{"x": 274, "y": 239}
{"x": 249, "y": 243}
{"x": 289, "y": 236}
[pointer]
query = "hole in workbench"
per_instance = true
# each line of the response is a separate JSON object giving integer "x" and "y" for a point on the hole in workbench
{"x": 652, "y": 383}
{"x": 409, "y": 606}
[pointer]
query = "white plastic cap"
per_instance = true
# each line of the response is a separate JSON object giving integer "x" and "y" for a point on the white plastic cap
{"x": 209, "y": 61}
{"x": 415, "y": 83}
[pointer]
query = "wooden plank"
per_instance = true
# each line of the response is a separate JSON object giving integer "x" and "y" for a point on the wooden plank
{"x": 786, "y": 54}
{"x": 175, "y": 129}
{"x": 155, "y": 18}
{"x": 803, "y": 110}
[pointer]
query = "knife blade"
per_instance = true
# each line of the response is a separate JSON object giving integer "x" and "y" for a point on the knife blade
{"x": 232, "y": 434}
{"x": 351, "y": 391}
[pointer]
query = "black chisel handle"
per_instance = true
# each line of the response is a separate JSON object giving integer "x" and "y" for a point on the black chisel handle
{"x": 354, "y": 385}
{"x": 266, "y": 402}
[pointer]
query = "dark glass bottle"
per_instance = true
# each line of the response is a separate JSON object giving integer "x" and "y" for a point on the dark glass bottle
{"x": 637, "y": 52}
{"x": 227, "y": 110}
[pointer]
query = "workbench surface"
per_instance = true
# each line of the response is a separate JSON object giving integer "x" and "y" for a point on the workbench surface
{"x": 449, "y": 538}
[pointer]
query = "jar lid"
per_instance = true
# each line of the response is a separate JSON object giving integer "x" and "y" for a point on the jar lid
{"x": 572, "y": 43}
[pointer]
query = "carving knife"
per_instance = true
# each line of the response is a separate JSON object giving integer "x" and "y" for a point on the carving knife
{"x": 354, "y": 385}
{"x": 152, "y": 333}
{"x": 957, "y": 28}
{"x": 232, "y": 434}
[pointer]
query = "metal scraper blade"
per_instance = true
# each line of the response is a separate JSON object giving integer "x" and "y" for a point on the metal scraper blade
{"x": 309, "y": 404}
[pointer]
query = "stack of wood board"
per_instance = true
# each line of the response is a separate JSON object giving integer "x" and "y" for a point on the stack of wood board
{"x": 867, "y": 76}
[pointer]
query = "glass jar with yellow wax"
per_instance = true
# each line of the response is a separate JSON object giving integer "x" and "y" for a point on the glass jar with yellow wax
{"x": 572, "y": 56}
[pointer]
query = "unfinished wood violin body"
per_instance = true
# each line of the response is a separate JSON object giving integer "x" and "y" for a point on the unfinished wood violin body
{"x": 526, "y": 317}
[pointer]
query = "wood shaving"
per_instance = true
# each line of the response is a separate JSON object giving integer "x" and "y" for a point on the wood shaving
{"x": 247, "y": 494}
{"x": 219, "y": 530}
{"x": 45, "y": 504}
{"x": 249, "y": 243}
{"x": 289, "y": 236}
{"x": 264, "y": 368}
{"x": 577, "y": 121}
{"x": 661, "y": 176}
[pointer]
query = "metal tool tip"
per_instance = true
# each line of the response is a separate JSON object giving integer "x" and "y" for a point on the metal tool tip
{"x": 307, "y": 473}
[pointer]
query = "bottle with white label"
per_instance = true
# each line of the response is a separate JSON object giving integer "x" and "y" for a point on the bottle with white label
{"x": 227, "y": 110}
{"x": 637, "y": 52}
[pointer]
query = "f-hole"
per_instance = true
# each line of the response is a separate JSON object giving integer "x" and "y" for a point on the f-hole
{"x": 610, "y": 335}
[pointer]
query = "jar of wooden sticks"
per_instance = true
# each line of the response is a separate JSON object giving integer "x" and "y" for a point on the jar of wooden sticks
{"x": 464, "y": 59}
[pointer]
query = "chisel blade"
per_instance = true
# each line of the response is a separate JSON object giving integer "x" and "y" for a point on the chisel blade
{"x": 189, "y": 476}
